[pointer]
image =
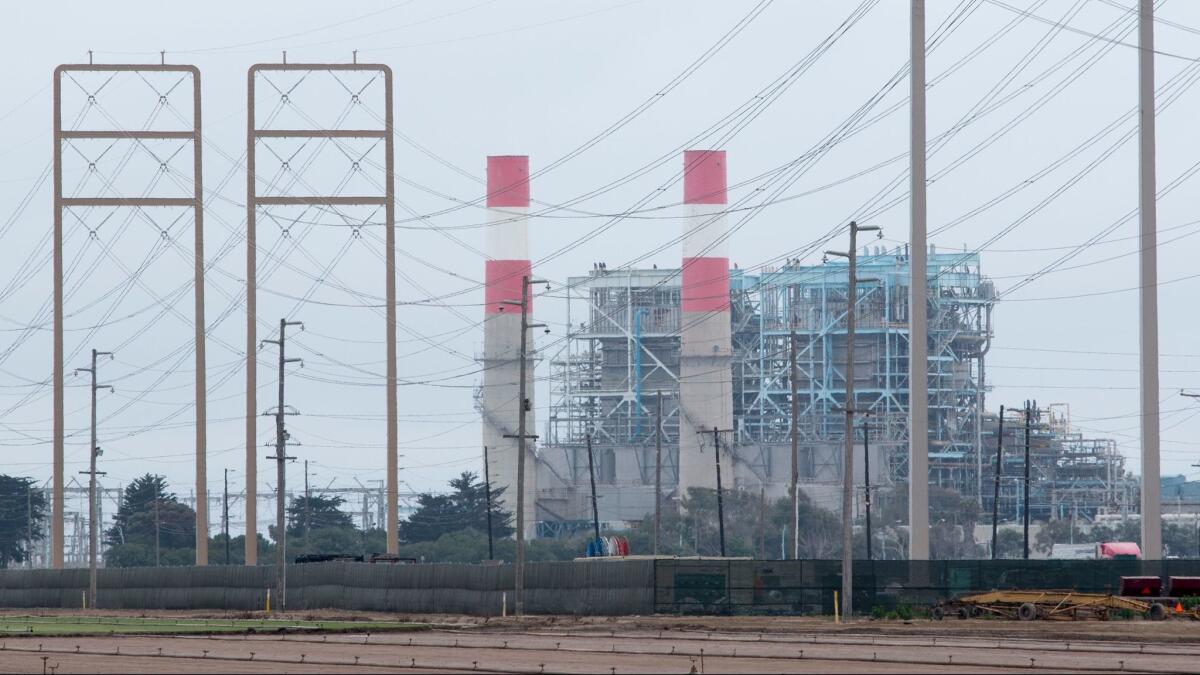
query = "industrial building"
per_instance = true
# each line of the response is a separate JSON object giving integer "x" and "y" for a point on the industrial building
{"x": 625, "y": 352}
{"x": 717, "y": 358}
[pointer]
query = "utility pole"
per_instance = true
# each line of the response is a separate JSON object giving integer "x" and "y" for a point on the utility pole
{"x": 1148, "y": 372}
{"x": 794, "y": 488}
{"x": 918, "y": 297}
{"x": 658, "y": 470}
{"x": 487, "y": 494}
{"x": 307, "y": 507}
{"x": 225, "y": 515}
{"x": 848, "y": 454}
{"x": 762, "y": 523}
{"x": 29, "y": 526}
{"x": 93, "y": 512}
{"x": 996, "y": 488}
{"x": 280, "y": 457}
{"x": 1025, "y": 510}
{"x": 720, "y": 490}
{"x": 867, "y": 482}
{"x": 592, "y": 479}
{"x": 157, "y": 522}
{"x": 522, "y": 408}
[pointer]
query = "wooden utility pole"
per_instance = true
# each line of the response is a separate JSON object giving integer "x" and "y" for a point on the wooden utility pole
{"x": 658, "y": 470}
{"x": 281, "y": 458}
{"x": 522, "y": 409}
{"x": 848, "y": 453}
{"x": 29, "y": 526}
{"x": 225, "y": 515}
{"x": 157, "y": 523}
{"x": 93, "y": 511}
{"x": 487, "y": 494}
{"x": 996, "y": 486}
{"x": 1025, "y": 510}
{"x": 794, "y": 487}
{"x": 720, "y": 490}
{"x": 307, "y": 507}
{"x": 867, "y": 482}
{"x": 592, "y": 480}
{"x": 762, "y": 523}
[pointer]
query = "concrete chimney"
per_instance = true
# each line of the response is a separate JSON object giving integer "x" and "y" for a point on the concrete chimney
{"x": 705, "y": 378}
{"x": 508, "y": 262}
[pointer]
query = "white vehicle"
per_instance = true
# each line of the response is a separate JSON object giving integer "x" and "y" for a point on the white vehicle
{"x": 1073, "y": 551}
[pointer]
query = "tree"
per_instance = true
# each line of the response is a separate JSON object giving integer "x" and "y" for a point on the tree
{"x": 237, "y": 550}
{"x": 1059, "y": 531}
{"x": 22, "y": 515}
{"x": 1010, "y": 543}
{"x": 694, "y": 529}
{"x": 131, "y": 539}
{"x": 951, "y": 523}
{"x": 464, "y": 508}
{"x": 316, "y": 513}
{"x": 329, "y": 531}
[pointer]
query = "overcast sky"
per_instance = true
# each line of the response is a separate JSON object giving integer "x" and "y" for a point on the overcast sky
{"x": 474, "y": 78}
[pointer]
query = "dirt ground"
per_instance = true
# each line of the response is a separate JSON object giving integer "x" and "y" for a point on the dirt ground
{"x": 632, "y": 644}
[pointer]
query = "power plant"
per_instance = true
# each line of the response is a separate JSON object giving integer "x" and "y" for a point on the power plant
{"x": 714, "y": 345}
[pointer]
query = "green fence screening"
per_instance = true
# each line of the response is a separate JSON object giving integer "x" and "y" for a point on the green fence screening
{"x": 800, "y": 587}
{"x": 596, "y": 587}
{"x": 584, "y": 588}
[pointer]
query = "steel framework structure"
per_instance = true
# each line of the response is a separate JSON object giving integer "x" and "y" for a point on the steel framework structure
{"x": 812, "y": 302}
{"x": 110, "y": 198}
{"x": 255, "y": 202}
{"x": 627, "y": 348}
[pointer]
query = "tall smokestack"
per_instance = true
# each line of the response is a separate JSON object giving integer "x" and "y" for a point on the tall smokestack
{"x": 705, "y": 378}
{"x": 508, "y": 262}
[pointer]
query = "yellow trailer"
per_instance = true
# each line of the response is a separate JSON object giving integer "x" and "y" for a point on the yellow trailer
{"x": 1059, "y": 605}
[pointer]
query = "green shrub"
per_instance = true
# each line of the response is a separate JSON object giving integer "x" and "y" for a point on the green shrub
{"x": 878, "y": 612}
{"x": 905, "y": 612}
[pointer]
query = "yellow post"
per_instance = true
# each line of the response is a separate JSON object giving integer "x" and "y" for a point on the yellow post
{"x": 268, "y": 601}
{"x": 836, "y": 617}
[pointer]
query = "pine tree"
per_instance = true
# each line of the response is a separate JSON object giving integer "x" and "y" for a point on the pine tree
{"x": 21, "y": 508}
{"x": 464, "y": 508}
{"x": 132, "y": 538}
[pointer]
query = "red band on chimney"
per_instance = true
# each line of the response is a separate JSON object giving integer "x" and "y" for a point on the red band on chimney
{"x": 705, "y": 284}
{"x": 508, "y": 180}
{"x": 704, "y": 177}
{"x": 503, "y": 282}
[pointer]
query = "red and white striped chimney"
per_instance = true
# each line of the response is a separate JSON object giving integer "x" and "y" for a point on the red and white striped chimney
{"x": 705, "y": 377}
{"x": 508, "y": 262}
